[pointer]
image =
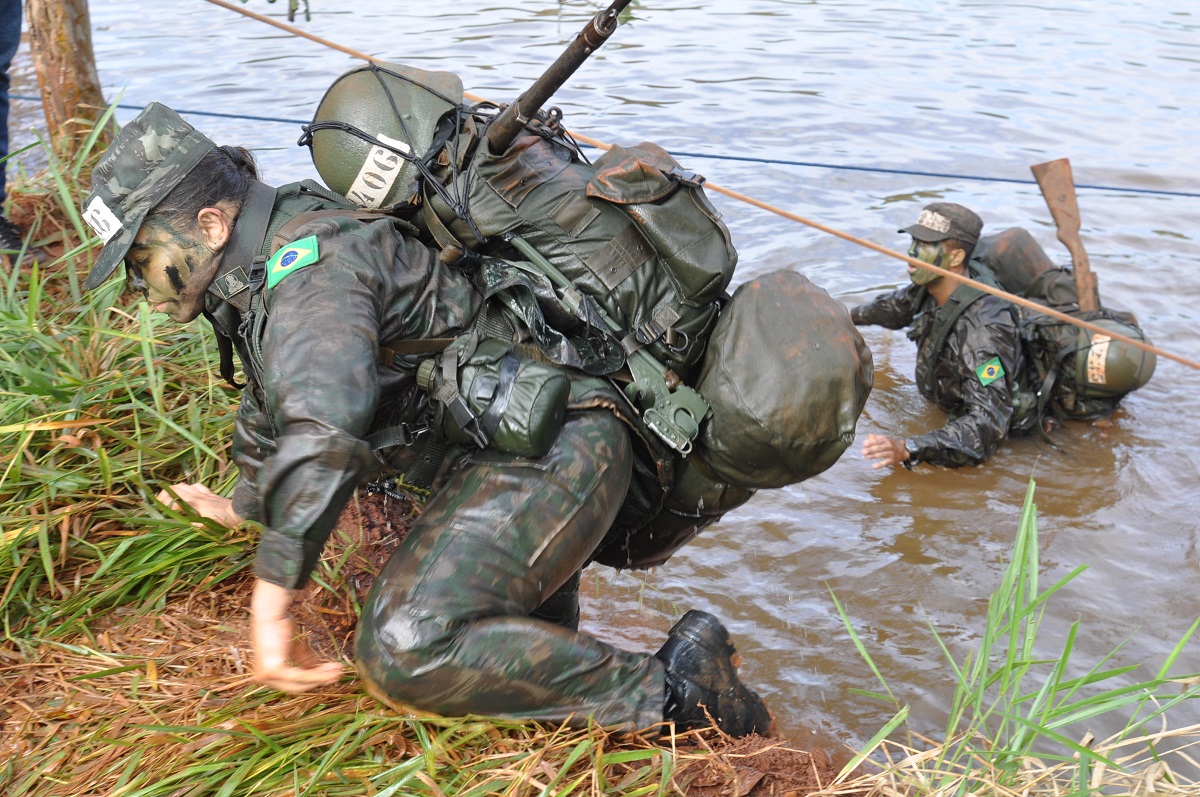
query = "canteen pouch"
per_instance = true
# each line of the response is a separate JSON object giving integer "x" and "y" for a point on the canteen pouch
{"x": 516, "y": 404}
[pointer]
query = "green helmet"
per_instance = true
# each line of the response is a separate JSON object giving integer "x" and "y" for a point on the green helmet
{"x": 1108, "y": 367}
{"x": 372, "y": 126}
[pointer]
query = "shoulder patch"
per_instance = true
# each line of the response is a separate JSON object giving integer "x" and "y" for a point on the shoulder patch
{"x": 291, "y": 258}
{"x": 990, "y": 371}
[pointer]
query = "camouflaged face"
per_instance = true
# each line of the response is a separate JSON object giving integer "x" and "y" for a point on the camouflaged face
{"x": 149, "y": 157}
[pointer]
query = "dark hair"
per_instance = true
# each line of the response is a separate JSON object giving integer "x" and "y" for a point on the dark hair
{"x": 967, "y": 248}
{"x": 224, "y": 173}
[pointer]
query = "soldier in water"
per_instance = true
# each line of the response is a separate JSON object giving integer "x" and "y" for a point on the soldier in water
{"x": 971, "y": 366}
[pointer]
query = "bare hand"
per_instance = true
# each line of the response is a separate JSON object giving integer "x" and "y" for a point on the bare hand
{"x": 272, "y": 636}
{"x": 203, "y": 501}
{"x": 888, "y": 450}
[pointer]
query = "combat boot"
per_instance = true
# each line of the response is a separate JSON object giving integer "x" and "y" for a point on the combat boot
{"x": 700, "y": 662}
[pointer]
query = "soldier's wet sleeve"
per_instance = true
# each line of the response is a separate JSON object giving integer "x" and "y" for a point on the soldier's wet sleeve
{"x": 893, "y": 310}
{"x": 320, "y": 351}
{"x": 985, "y": 348}
{"x": 253, "y": 442}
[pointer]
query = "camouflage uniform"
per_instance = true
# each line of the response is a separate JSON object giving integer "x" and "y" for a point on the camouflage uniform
{"x": 982, "y": 415}
{"x": 476, "y": 611}
{"x": 447, "y": 626}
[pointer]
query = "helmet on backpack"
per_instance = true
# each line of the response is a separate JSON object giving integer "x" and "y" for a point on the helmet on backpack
{"x": 372, "y": 127}
{"x": 1108, "y": 367}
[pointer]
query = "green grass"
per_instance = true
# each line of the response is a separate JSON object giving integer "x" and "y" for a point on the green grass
{"x": 1012, "y": 703}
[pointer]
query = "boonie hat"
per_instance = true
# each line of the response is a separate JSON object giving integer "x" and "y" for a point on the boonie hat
{"x": 149, "y": 157}
{"x": 943, "y": 220}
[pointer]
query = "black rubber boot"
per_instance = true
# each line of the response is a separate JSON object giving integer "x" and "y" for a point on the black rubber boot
{"x": 562, "y": 607}
{"x": 701, "y": 672}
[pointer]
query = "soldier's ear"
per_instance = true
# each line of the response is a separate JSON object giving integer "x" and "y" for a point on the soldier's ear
{"x": 957, "y": 257}
{"x": 215, "y": 228}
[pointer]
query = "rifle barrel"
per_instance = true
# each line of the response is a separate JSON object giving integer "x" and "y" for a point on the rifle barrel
{"x": 508, "y": 125}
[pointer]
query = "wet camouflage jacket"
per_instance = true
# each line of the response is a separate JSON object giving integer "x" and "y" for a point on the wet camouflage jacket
{"x": 311, "y": 361}
{"x": 963, "y": 380}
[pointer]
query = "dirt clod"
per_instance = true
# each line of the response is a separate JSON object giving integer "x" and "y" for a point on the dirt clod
{"x": 369, "y": 529}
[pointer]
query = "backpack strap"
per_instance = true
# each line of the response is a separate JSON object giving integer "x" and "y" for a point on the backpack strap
{"x": 287, "y": 233}
{"x": 963, "y": 297}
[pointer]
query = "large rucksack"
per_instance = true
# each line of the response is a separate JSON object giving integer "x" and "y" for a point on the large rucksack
{"x": 1077, "y": 373}
{"x": 633, "y": 263}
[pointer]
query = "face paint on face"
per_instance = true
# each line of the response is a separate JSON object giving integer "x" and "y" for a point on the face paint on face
{"x": 932, "y": 253}
{"x": 170, "y": 270}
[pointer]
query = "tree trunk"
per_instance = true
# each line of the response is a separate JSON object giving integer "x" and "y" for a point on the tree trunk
{"x": 60, "y": 39}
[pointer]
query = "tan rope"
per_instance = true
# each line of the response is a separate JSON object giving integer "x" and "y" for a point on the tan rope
{"x": 1026, "y": 303}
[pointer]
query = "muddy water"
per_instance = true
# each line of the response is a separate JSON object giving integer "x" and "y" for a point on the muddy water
{"x": 982, "y": 88}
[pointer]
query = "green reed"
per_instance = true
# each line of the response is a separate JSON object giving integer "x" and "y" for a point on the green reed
{"x": 1012, "y": 704}
{"x": 101, "y": 407}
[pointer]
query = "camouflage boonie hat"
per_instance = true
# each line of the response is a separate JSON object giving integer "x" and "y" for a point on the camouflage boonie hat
{"x": 149, "y": 157}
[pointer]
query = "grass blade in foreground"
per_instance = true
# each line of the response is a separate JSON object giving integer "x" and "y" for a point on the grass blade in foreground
{"x": 1000, "y": 731}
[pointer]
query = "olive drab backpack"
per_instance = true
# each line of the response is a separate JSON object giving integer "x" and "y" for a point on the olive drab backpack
{"x": 1079, "y": 373}
{"x": 617, "y": 269}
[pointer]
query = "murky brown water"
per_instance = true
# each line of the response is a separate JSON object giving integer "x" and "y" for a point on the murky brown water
{"x": 982, "y": 88}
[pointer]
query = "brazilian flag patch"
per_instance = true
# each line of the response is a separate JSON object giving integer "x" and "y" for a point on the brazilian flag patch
{"x": 291, "y": 259}
{"x": 990, "y": 371}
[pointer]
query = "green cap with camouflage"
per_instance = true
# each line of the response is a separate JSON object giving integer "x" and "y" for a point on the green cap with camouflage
{"x": 149, "y": 157}
{"x": 942, "y": 220}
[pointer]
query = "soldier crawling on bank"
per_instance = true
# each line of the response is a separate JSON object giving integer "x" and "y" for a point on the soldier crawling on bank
{"x": 477, "y": 610}
{"x": 996, "y": 372}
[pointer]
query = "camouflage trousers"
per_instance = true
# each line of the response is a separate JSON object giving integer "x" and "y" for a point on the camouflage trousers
{"x": 447, "y": 625}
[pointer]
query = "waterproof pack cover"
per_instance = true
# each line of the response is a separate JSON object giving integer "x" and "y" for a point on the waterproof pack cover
{"x": 787, "y": 375}
{"x": 1080, "y": 373}
{"x": 1015, "y": 258}
{"x": 634, "y": 231}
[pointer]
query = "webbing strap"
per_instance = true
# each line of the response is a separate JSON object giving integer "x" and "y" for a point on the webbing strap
{"x": 388, "y": 352}
{"x": 401, "y": 435}
{"x": 1047, "y": 390}
{"x": 425, "y": 468}
{"x": 660, "y": 327}
{"x": 440, "y": 232}
{"x": 489, "y": 422}
{"x": 962, "y": 298}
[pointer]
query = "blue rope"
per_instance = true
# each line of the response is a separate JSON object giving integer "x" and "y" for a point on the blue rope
{"x": 881, "y": 170}
{"x": 710, "y": 156}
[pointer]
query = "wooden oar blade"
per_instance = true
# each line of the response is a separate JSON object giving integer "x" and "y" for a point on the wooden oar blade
{"x": 1058, "y": 187}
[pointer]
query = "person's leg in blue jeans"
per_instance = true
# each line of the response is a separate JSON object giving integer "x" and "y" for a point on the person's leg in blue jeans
{"x": 10, "y": 38}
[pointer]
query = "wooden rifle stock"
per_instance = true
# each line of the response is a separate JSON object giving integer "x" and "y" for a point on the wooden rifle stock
{"x": 512, "y": 120}
{"x": 1058, "y": 187}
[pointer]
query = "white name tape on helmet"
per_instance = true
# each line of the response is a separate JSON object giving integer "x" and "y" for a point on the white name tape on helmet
{"x": 378, "y": 173}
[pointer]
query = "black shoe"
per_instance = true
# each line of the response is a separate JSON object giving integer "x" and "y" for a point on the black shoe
{"x": 11, "y": 239}
{"x": 701, "y": 673}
